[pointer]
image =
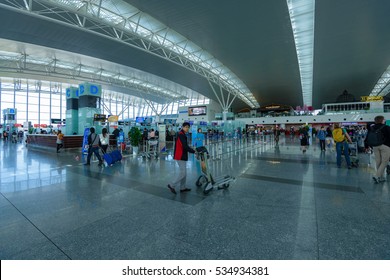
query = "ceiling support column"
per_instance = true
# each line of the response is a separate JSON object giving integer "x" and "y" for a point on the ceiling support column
{"x": 225, "y": 104}
{"x": 154, "y": 109}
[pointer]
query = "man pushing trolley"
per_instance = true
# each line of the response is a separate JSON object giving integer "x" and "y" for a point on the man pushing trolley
{"x": 206, "y": 180}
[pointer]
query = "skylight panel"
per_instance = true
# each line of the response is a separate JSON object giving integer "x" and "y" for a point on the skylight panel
{"x": 135, "y": 22}
{"x": 302, "y": 22}
{"x": 382, "y": 83}
{"x": 75, "y": 3}
{"x": 110, "y": 16}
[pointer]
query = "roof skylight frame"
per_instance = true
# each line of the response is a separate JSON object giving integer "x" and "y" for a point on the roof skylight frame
{"x": 151, "y": 28}
{"x": 302, "y": 14}
{"x": 45, "y": 65}
{"x": 382, "y": 84}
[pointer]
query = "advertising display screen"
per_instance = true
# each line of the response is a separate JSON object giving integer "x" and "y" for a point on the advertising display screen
{"x": 99, "y": 117}
{"x": 139, "y": 119}
{"x": 197, "y": 111}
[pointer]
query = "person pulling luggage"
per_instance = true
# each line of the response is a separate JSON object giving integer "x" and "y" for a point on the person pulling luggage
{"x": 93, "y": 148}
{"x": 181, "y": 156}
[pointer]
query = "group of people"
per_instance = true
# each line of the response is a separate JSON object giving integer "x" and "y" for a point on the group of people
{"x": 97, "y": 142}
{"x": 15, "y": 137}
{"x": 149, "y": 134}
{"x": 339, "y": 135}
{"x": 380, "y": 146}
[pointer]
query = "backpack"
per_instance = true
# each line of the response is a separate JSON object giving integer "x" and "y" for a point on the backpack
{"x": 375, "y": 137}
{"x": 338, "y": 135}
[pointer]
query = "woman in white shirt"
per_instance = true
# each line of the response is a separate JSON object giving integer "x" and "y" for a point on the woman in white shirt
{"x": 104, "y": 139}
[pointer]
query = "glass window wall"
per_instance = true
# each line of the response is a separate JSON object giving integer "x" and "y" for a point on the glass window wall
{"x": 40, "y": 101}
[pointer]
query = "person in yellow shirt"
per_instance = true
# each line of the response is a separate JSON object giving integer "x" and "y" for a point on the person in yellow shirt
{"x": 341, "y": 137}
{"x": 60, "y": 139}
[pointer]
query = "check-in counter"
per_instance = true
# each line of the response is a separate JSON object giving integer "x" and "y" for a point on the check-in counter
{"x": 49, "y": 141}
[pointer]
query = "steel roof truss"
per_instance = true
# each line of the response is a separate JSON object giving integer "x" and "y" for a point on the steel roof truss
{"x": 90, "y": 17}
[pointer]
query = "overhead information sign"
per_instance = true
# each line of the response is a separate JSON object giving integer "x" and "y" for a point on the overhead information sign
{"x": 371, "y": 98}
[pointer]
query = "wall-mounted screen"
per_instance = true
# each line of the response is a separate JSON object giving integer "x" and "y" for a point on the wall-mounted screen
{"x": 139, "y": 119}
{"x": 147, "y": 120}
{"x": 197, "y": 111}
{"x": 99, "y": 117}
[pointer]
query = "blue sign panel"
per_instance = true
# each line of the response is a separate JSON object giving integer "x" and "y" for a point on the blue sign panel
{"x": 85, "y": 141}
{"x": 121, "y": 137}
{"x": 94, "y": 89}
{"x": 81, "y": 89}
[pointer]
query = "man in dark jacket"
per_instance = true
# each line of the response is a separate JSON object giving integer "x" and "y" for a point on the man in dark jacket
{"x": 382, "y": 151}
{"x": 181, "y": 156}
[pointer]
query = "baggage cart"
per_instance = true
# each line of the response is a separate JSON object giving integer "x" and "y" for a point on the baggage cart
{"x": 354, "y": 154}
{"x": 207, "y": 181}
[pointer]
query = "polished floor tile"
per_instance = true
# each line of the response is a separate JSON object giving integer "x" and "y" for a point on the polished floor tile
{"x": 283, "y": 204}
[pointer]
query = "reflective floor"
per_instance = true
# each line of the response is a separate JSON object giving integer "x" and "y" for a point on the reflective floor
{"x": 283, "y": 205}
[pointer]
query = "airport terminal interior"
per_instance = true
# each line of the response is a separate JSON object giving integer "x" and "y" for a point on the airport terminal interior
{"x": 284, "y": 204}
{"x": 240, "y": 70}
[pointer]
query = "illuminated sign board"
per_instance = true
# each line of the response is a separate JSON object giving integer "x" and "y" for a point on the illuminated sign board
{"x": 99, "y": 117}
{"x": 197, "y": 111}
{"x": 371, "y": 98}
{"x": 113, "y": 118}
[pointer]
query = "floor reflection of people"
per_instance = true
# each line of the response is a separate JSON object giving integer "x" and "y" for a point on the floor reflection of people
{"x": 277, "y": 149}
{"x": 322, "y": 158}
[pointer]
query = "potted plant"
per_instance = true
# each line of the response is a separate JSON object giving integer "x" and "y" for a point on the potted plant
{"x": 135, "y": 137}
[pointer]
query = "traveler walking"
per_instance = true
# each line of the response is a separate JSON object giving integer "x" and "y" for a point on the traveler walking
{"x": 322, "y": 136}
{"x": 104, "y": 140}
{"x": 378, "y": 137}
{"x": 304, "y": 138}
{"x": 93, "y": 148}
{"x": 60, "y": 139}
{"x": 341, "y": 137}
{"x": 181, "y": 156}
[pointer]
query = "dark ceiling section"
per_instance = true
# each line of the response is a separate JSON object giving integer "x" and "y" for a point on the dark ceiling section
{"x": 352, "y": 47}
{"x": 252, "y": 38}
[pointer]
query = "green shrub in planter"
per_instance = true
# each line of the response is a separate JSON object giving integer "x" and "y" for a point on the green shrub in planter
{"x": 135, "y": 136}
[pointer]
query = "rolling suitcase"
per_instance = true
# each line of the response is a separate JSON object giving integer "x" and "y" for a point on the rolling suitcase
{"x": 108, "y": 159}
{"x": 117, "y": 155}
{"x": 113, "y": 156}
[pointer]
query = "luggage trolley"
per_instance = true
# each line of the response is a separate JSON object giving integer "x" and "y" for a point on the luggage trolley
{"x": 152, "y": 144}
{"x": 353, "y": 153}
{"x": 206, "y": 180}
{"x": 149, "y": 149}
